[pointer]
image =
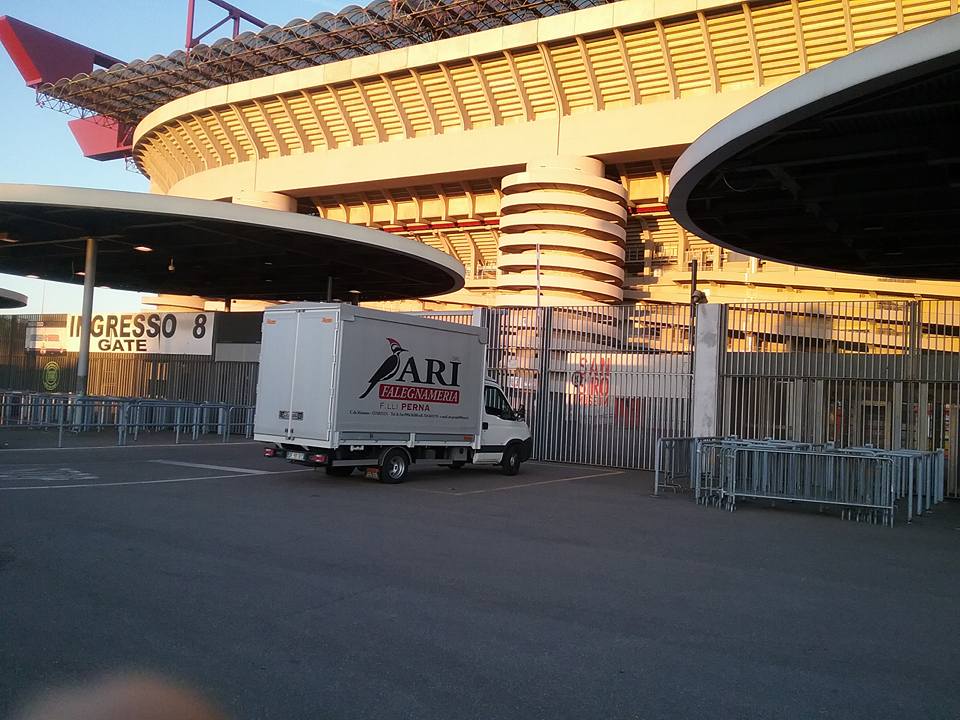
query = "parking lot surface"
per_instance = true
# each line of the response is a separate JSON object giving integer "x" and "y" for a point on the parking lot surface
{"x": 563, "y": 592}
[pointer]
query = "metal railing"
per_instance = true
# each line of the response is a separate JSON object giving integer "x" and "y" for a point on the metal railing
{"x": 674, "y": 463}
{"x": 865, "y": 483}
{"x": 128, "y": 416}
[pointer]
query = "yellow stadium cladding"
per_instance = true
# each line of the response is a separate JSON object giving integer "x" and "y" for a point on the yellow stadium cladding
{"x": 418, "y": 140}
{"x": 725, "y": 48}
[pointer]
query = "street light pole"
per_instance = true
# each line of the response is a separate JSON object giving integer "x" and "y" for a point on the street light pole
{"x": 89, "y": 278}
{"x": 538, "y": 275}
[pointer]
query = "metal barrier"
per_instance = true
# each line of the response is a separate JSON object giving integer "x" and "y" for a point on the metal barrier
{"x": 63, "y": 413}
{"x": 673, "y": 464}
{"x": 712, "y": 465}
{"x": 865, "y": 483}
{"x": 862, "y": 486}
{"x": 918, "y": 475}
{"x": 196, "y": 419}
{"x": 129, "y": 416}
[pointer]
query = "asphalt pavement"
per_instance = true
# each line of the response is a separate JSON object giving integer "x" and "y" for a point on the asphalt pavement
{"x": 563, "y": 592}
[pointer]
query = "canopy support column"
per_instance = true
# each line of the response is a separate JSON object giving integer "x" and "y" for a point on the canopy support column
{"x": 89, "y": 278}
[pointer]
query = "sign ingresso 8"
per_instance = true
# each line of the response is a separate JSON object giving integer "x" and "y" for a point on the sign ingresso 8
{"x": 141, "y": 333}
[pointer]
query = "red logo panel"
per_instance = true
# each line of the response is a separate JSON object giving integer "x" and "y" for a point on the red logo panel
{"x": 419, "y": 394}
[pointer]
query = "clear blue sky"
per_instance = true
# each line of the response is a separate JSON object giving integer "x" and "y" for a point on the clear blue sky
{"x": 38, "y": 146}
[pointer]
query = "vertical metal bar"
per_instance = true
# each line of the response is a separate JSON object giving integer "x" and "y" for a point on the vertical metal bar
{"x": 541, "y": 339}
{"x": 691, "y": 339}
{"x": 190, "y": 12}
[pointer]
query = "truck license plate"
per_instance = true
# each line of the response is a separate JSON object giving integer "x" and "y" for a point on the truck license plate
{"x": 296, "y": 456}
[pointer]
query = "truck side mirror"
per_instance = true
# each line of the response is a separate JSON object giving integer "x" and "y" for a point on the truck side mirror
{"x": 520, "y": 413}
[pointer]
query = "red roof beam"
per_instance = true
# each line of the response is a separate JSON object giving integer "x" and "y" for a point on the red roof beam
{"x": 102, "y": 138}
{"x": 42, "y": 57}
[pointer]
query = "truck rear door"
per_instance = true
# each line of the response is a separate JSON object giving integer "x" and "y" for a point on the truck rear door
{"x": 278, "y": 352}
{"x": 314, "y": 373}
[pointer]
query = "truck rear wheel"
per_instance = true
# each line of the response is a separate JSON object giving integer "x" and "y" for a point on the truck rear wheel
{"x": 510, "y": 464}
{"x": 393, "y": 469}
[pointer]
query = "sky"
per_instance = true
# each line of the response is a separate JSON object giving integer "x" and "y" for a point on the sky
{"x": 35, "y": 144}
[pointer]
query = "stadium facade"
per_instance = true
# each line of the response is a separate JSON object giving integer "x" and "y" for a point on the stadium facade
{"x": 537, "y": 153}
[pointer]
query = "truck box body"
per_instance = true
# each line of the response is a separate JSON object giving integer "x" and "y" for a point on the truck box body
{"x": 333, "y": 375}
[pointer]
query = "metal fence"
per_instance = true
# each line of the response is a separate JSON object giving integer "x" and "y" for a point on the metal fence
{"x": 879, "y": 373}
{"x": 128, "y": 417}
{"x": 598, "y": 384}
{"x": 189, "y": 378}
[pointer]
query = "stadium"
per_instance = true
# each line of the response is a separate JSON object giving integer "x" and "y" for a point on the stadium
{"x": 532, "y": 141}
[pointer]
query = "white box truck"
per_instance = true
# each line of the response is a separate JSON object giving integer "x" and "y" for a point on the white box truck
{"x": 346, "y": 387}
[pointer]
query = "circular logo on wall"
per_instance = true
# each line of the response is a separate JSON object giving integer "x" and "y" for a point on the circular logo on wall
{"x": 51, "y": 375}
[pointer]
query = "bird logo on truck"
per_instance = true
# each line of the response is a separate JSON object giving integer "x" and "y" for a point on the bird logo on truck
{"x": 408, "y": 374}
{"x": 388, "y": 368}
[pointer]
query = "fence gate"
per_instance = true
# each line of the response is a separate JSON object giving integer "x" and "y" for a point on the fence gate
{"x": 598, "y": 384}
{"x": 881, "y": 373}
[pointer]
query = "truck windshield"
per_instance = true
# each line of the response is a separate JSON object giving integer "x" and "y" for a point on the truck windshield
{"x": 495, "y": 403}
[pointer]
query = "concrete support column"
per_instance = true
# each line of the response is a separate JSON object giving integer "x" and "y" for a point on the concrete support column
{"x": 268, "y": 200}
{"x": 710, "y": 343}
{"x": 563, "y": 229}
{"x": 89, "y": 278}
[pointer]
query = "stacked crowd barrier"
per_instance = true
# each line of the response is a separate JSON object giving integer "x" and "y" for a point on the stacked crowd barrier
{"x": 865, "y": 484}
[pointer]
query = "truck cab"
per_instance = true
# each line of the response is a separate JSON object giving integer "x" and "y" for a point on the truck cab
{"x": 505, "y": 438}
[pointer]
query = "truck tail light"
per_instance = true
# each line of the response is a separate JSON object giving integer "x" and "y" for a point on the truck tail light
{"x": 317, "y": 458}
{"x": 269, "y": 452}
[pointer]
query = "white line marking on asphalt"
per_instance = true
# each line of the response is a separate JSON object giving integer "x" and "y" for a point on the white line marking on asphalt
{"x": 515, "y": 487}
{"x": 542, "y": 482}
{"x": 245, "y": 471}
{"x": 148, "y": 482}
{"x": 544, "y": 463}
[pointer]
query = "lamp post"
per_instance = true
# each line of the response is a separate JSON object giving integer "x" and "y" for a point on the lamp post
{"x": 538, "y": 273}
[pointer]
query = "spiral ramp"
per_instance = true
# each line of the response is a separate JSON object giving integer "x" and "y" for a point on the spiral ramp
{"x": 563, "y": 229}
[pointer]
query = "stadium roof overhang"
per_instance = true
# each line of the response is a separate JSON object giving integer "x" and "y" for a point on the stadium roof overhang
{"x": 66, "y": 75}
{"x": 852, "y": 167}
{"x": 10, "y": 299}
{"x": 214, "y": 249}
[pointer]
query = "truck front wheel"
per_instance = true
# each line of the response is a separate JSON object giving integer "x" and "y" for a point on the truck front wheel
{"x": 510, "y": 464}
{"x": 393, "y": 469}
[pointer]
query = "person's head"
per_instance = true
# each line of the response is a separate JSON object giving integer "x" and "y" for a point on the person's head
{"x": 121, "y": 697}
